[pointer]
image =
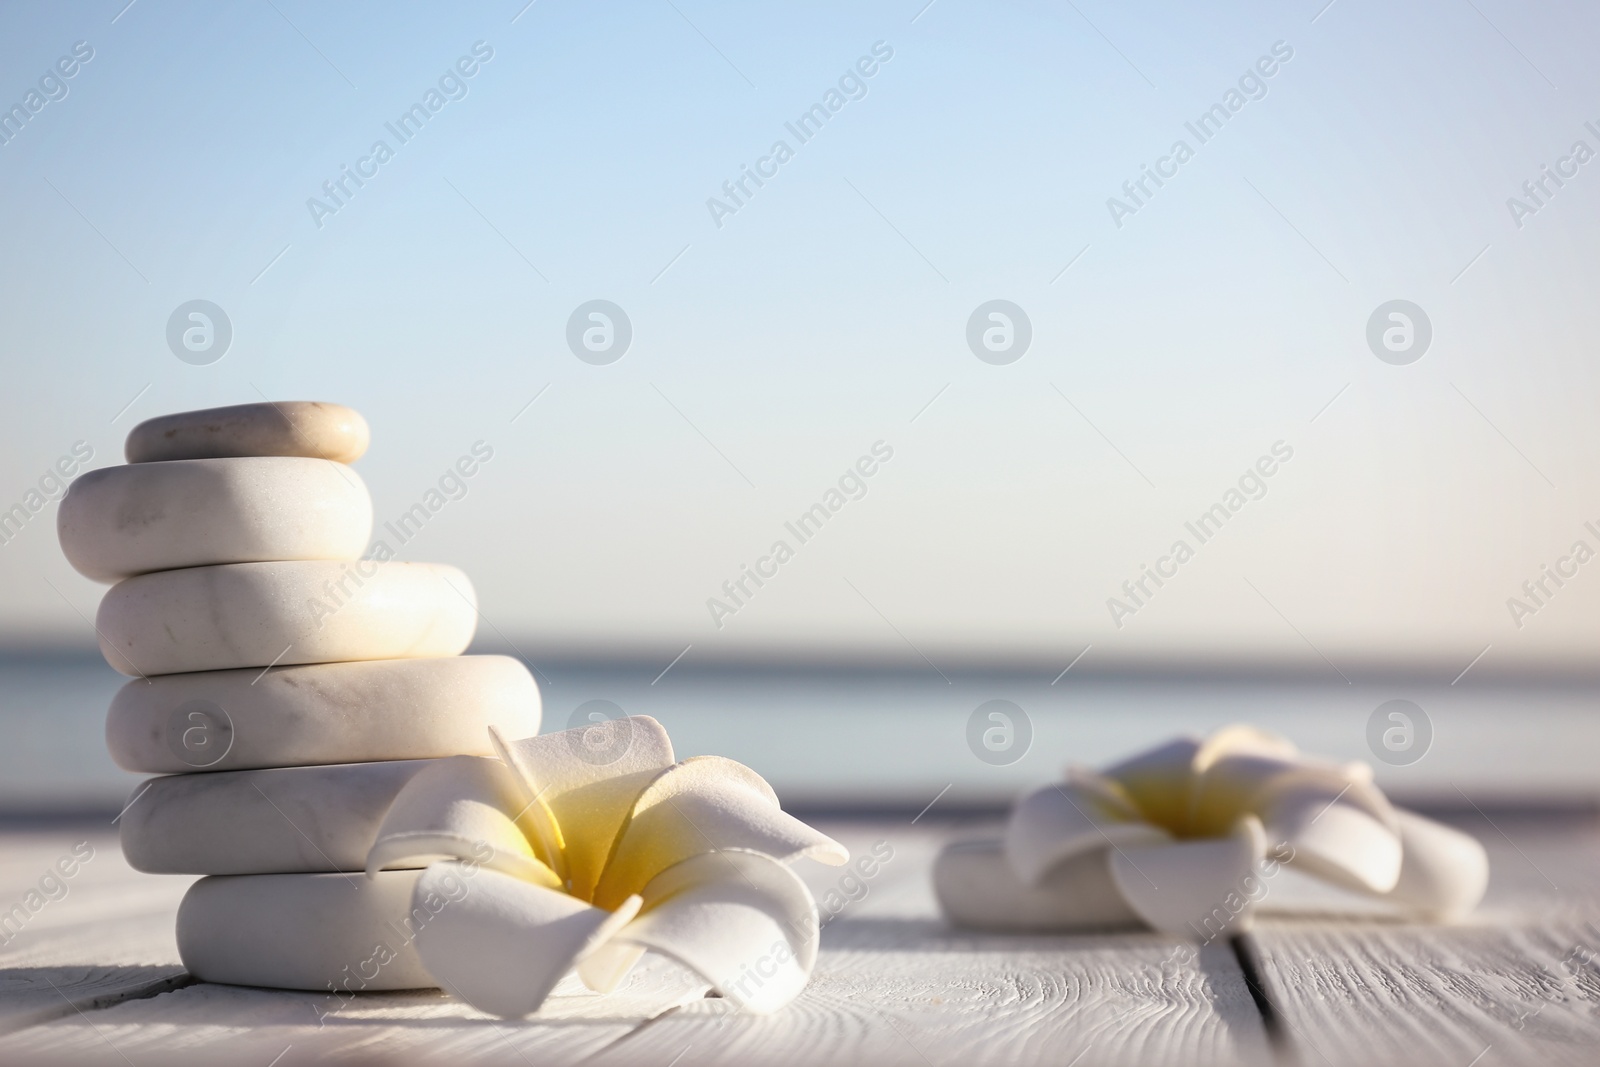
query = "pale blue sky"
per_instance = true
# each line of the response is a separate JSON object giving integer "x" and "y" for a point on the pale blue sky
{"x": 825, "y": 314}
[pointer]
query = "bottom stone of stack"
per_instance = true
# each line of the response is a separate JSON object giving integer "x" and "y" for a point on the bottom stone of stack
{"x": 334, "y": 933}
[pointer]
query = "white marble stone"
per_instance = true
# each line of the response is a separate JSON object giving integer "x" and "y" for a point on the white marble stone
{"x": 280, "y": 428}
{"x": 120, "y": 521}
{"x": 255, "y": 614}
{"x": 330, "y": 933}
{"x": 287, "y": 820}
{"x": 320, "y": 713}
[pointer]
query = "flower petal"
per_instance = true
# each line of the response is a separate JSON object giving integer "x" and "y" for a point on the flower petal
{"x": 1231, "y": 785}
{"x": 501, "y": 944}
{"x": 604, "y": 969}
{"x": 463, "y": 808}
{"x": 1444, "y": 872}
{"x": 976, "y": 887}
{"x": 1159, "y": 780}
{"x": 1242, "y": 739}
{"x": 1340, "y": 830}
{"x": 742, "y": 921}
{"x": 1163, "y": 781}
{"x": 1200, "y": 788}
{"x": 705, "y": 804}
{"x": 1053, "y": 824}
{"x": 580, "y": 785}
{"x": 1193, "y": 888}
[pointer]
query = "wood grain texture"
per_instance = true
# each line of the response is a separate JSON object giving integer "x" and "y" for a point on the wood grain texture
{"x": 893, "y": 985}
{"x": 1519, "y": 982}
{"x": 33, "y": 995}
{"x": 910, "y": 992}
{"x": 99, "y": 937}
{"x": 106, "y": 913}
{"x": 207, "y": 1024}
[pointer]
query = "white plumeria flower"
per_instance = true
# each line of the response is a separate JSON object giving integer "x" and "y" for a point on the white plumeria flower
{"x": 601, "y": 847}
{"x": 1179, "y": 838}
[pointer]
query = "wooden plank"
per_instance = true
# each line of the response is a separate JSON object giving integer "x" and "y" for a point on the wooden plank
{"x": 1518, "y": 982}
{"x": 103, "y": 913}
{"x": 903, "y": 994}
{"x": 893, "y": 985}
{"x": 30, "y": 996}
{"x": 99, "y": 936}
{"x": 208, "y": 1023}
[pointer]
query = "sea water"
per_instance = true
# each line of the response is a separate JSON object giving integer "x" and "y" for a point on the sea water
{"x": 899, "y": 737}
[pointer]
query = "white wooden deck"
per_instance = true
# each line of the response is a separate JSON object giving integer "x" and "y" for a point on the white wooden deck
{"x": 94, "y": 978}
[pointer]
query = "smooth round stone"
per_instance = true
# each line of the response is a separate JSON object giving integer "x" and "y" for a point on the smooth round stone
{"x": 296, "y": 611}
{"x": 977, "y": 888}
{"x": 332, "y": 933}
{"x": 285, "y": 428}
{"x": 288, "y": 820}
{"x": 320, "y": 713}
{"x": 119, "y": 521}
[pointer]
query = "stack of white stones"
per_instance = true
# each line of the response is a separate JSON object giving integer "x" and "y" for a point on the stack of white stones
{"x": 284, "y": 687}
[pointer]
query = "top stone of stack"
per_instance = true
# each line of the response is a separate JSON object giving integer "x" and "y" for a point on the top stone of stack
{"x": 287, "y": 428}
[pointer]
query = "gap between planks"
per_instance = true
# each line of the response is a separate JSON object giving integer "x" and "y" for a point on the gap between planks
{"x": 122, "y": 987}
